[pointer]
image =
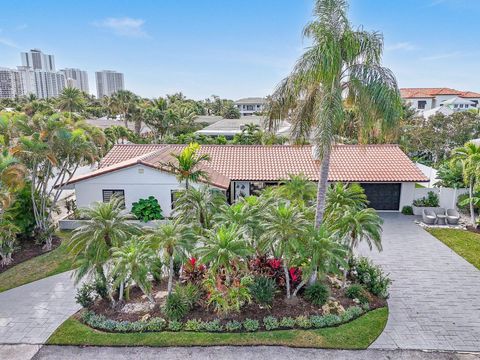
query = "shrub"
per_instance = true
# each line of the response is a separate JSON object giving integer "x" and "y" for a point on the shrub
{"x": 212, "y": 326}
{"x": 357, "y": 291}
{"x": 351, "y": 313}
{"x": 251, "y": 325}
{"x": 190, "y": 293}
{"x": 233, "y": 326}
{"x": 147, "y": 209}
{"x": 175, "y": 307}
{"x": 464, "y": 205}
{"x": 175, "y": 325}
{"x": 193, "y": 272}
{"x": 317, "y": 294}
{"x": 85, "y": 295}
{"x": 431, "y": 200}
{"x": 156, "y": 324}
{"x": 331, "y": 319}
{"x": 193, "y": 325}
{"x": 287, "y": 322}
{"x": 372, "y": 277}
{"x": 303, "y": 322}
{"x": 407, "y": 210}
{"x": 230, "y": 299}
{"x": 317, "y": 321}
{"x": 270, "y": 323}
{"x": 263, "y": 290}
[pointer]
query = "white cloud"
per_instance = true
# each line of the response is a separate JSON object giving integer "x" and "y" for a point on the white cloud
{"x": 453, "y": 54}
{"x": 407, "y": 46}
{"x": 9, "y": 43}
{"x": 125, "y": 26}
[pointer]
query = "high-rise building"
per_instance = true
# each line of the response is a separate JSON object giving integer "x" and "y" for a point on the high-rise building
{"x": 48, "y": 84}
{"x": 76, "y": 78}
{"x": 25, "y": 81}
{"x": 37, "y": 60}
{"x": 108, "y": 82}
{"x": 7, "y": 83}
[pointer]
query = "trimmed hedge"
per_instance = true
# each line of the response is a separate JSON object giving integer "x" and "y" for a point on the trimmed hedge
{"x": 100, "y": 322}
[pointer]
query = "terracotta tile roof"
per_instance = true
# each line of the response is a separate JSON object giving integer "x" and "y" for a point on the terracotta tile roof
{"x": 349, "y": 163}
{"x": 410, "y": 93}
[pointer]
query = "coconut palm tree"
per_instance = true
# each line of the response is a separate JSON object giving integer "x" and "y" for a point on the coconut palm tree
{"x": 71, "y": 100}
{"x": 469, "y": 157}
{"x": 91, "y": 244}
{"x": 133, "y": 260}
{"x": 224, "y": 249}
{"x": 187, "y": 164}
{"x": 342, "y": 67}
{"x": 282, "y": 226}
{"x": 124, "y": 103}
{"x": 173, "y": 240}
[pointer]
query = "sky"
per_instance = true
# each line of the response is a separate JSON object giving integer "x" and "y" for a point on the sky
{"x": 235, "y": 49}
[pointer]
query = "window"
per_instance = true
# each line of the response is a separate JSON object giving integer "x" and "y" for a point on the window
{"x": 108, "y": 194}
{"x": 249, "y": 107}
{"x": 475, "y": 103}
{"x": 422, "y": 104}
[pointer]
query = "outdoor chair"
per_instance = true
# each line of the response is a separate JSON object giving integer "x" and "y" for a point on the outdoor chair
{"x": 453, "y": 216}
{"x": 429, "y": 217}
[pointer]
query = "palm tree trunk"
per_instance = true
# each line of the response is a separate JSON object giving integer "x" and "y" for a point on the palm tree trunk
{"x": 138, "y": 126}
{"x": 170, "y": 276}
{"x": 472, "y": 210}
{"x": 287, "y": 280}
{"x": 322, "y": 187}
{"x": 121, "y": 291}
{"x": 299, "y": 287}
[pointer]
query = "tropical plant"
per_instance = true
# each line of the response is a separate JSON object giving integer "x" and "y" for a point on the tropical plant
{"x": 123, "y": 103}
{"x": 370, "y": 275}
{"x": 147, "y": 209}
{"x": 12, "y": 177}
{"x": 187, "y": 165}
{"x": 341, "y": 197}
{"x": 228, "y": 299}
{"x": 231, "y": 112}
{"x": 450, "y": 175}
{"x": 263, "y": 290}
{"x": 160, "y": 118}
{"x": 172, "y": 239}
{"x": 132, "y": 262}
{"x": 8, "y": 241}
{"x": 431, "y": 200}
{"x": 91, "y": 244}
{"x": 317, "y": 294}
{"x": 299, "y": 189}
{"x": 71, "y": 100}
{"x": 341, "y": 68}
{"x": 175, "y": 307}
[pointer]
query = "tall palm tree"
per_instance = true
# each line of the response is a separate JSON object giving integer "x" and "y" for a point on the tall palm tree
{"x": 187, "y": 164}
{"x": 124, "y": 103}
{"x": 198, "y": 206}
{"x": 282, "y": 226}
{"x": 224, "y": 249}
{"x": 171, "y": 239}
{"x": 133, "y": 260}
{"x": 91, "y": 244}
{"x": 342, "y": 66}
{"x": 71, "y": 100}
{"x": 469, "y": 157}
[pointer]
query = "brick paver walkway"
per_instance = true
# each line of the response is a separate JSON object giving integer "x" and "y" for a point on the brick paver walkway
{"x": 434, "y": 299}
{"x": 30, "y": 313}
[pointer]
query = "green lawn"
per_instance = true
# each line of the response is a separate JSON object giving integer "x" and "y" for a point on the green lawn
{"x": 358, "y": 334}
{"x": 51, "y": 263}
{"x": 463, "y": 242}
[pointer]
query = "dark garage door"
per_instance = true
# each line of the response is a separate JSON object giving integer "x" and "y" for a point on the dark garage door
{"x": 383, "y": 196}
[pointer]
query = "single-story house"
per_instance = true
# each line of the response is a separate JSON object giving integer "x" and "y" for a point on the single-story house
{"x": 138, "y": 171}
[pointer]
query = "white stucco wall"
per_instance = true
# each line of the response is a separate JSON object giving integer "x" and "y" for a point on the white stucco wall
{"x": 136, "y": 185}
{"x": 407, "y": 194}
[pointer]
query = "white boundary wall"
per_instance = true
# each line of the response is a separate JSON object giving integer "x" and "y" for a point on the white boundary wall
{"x": 447, "y": 196}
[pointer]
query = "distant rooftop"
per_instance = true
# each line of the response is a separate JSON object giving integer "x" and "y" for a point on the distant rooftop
{"x": 230, "y": 127}
{"x": 409, "y": 93}
{"x": 251, "y": 100}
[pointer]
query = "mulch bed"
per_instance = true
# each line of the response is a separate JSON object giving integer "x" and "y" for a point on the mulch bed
{"x": 29, "y": 250}
{"x": 281, "y": 307}
{"x": 473, "y": 229}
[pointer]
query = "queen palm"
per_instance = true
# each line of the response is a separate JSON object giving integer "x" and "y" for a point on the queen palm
{"x": 91, "y": 244}
{"x": 469, "y": 157}
{"x": 342, "y": 67}
{"x": 71, "y": 100}
{"x": 173, "y": 240}
{"x": 187, "y": 164}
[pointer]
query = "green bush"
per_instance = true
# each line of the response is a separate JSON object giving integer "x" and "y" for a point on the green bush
{"x": 175, "y": 307}
{"x": 317, "y": 321}
{"x": 156, "y": 324}
{"x": 332, "y": 320}
{"x": 212, "y": 326}
{"x": 372, "y": 277}
{"x": 357, "y": 291}
{"x": 85, "y": 295}
{"x": 317, "y": 294}
{"x": 193, "y": 325}
{"x": 190, "y": 293}
{"x": 263, "y": 290}
{"x": 233, "y": 326}
{"x": 147, "y": 209}
{"x": 251, "y": 325}
{"x": 303, "y": 322}
{"x": 431, "y": 200}
{"x": 20, "y": 212}
{"x": 175, "y": 325}
{"x": 463, "y": 203}
{"x": 407, "y": 210}
{"x": 351, "y": 313}
{"x": 287, "y": 322}
{"x": 270, "y": 323}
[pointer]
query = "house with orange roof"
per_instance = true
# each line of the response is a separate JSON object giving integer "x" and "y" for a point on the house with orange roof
{"x": 434, "y": 99}
{"x": 139, "y": 171}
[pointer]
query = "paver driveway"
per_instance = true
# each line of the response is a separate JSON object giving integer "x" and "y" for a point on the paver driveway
{"x": 30, "y": 313}
{"x": 434, "y": 298}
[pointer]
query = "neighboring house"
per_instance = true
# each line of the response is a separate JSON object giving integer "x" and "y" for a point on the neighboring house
{"x": 250, "y": 106}
{"x": 230, "y": 127}
{"x": 138, "y": 171}
{"x": 106, "y": 122}
{"x": 429, "y": 101}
